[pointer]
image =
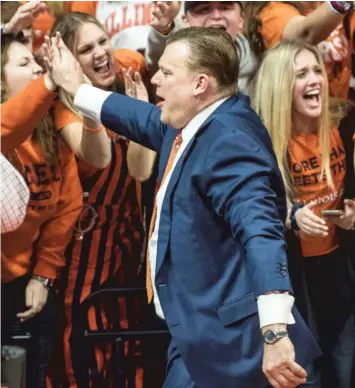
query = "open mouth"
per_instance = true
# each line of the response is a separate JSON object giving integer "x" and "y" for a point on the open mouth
{"x": 103, "y": 67}
{"x": 219, "y": 26}
{"x": 160, "y": 101}
{"x": 312, "y": 96}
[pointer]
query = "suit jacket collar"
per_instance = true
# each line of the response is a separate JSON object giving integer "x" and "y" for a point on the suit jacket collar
{"x": 165, "y": 215}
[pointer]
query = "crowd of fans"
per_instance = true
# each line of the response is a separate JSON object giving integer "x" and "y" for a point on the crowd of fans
{"x": 77, "y": 199}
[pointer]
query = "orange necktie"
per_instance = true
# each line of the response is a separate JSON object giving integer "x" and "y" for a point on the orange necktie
{"x": 174, "y": 150}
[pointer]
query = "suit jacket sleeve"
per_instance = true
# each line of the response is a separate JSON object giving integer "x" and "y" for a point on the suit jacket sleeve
{"x": 242, "y": 181}
{"x": 137, "y": 120}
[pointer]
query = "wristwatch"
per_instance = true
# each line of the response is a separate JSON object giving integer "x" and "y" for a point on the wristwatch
{"x": 48, "y": 283}
{"x": 272, "y": 336}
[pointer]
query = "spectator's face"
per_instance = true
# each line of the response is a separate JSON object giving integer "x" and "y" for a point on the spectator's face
{"x": 308, "y": 87}
{"x": 95, "y": 55}
{"x": 20, "y": 69}
{"x": 176, "y": 86}
{"x": 226, "y": 15}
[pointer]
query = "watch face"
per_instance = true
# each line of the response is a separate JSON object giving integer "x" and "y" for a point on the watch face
{"x": 269, "y": 337}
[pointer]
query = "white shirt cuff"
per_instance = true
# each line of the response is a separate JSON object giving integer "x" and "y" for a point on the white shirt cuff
{"x": 89, "y": 101}
{"x": 275, "y": 308}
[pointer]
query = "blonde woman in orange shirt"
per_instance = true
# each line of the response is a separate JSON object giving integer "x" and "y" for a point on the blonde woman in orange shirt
{"x": 291, "y": 97}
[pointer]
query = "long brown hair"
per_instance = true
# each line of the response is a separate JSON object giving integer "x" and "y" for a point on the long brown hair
{"x": 44, "y": 134}
{"x": 253, "y": 26}
{"x": 68, "y": 25}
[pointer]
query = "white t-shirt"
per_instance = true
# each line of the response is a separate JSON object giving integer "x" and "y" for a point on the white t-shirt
{"x": 126, "y": 22}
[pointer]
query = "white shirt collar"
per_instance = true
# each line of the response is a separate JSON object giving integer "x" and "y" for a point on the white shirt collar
{"x": 193, "y": 126}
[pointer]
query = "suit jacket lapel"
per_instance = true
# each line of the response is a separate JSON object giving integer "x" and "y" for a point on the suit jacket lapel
{"x": 165, "y": 216}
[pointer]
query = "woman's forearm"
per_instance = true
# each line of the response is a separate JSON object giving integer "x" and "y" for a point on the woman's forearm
{"x": 95, "y": 144}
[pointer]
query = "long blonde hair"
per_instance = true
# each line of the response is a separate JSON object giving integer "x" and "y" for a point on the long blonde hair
{"x": 272, "y": 100}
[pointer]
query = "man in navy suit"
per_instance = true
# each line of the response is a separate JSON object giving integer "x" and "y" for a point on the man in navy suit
{"x": 217, "y": 251}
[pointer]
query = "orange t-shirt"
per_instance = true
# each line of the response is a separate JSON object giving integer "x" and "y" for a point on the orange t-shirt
{"x": 305, "y": 162}
{"x": 335, "y": 49}
{"x": 55, "y": 203}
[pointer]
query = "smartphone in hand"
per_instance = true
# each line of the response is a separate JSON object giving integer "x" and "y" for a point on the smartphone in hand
{"x": 332, "y": 213}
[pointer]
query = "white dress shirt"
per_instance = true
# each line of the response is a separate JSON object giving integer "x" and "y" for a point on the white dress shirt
{"x": 272, "y": 308}
{"x": 14, "y": 196}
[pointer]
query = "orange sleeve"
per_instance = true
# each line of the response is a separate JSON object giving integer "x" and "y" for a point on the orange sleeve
{"x": 128, "y": 58}
{"x": 40, "y": 28}
{"x": 274, "y": 18}
{"x": 21, "y": 114}
{"x": 84, "y": 6}
{"x": 57, "y": 232}
{"x": 64, "y": 116}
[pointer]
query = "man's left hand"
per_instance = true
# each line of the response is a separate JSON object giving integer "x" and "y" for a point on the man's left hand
{"x": 279, "y": 365}
{"x": 62, "y": 65}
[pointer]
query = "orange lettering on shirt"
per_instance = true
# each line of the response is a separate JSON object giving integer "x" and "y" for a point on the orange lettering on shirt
{"x": 311, "y": 185}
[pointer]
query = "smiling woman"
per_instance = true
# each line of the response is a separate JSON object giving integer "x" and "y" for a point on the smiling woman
{"x": 106, "y": 245}
{"x": 94, "y": 52}
{"x": 291, "y": 97}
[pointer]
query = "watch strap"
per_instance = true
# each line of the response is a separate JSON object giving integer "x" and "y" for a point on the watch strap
{"x": 48, "y": 283}
{"x": 277, "y": 335}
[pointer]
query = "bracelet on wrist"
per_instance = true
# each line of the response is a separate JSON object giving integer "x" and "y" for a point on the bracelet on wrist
{"x": 340, "y": 7}
{"x": 293, "y": 220}
{"x": 47, "y": 283}
{"x": 93, "y": 130}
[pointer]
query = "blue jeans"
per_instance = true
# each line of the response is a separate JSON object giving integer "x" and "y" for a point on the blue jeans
{"x": 40, "y": 327}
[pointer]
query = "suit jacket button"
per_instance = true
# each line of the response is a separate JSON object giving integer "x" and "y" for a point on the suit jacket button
{"x": 283, "y": 273}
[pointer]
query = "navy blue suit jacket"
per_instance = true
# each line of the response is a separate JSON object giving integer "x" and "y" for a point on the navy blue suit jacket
{"x": 221, "y": 239}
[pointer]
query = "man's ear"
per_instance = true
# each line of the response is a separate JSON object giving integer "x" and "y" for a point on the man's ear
{"x": 186, "y": 21}
{"x": 202, "y": 83}
{"x": 241, "y": 23}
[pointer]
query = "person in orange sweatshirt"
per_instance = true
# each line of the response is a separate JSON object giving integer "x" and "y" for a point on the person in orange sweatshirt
{"x": 33, "y": 255}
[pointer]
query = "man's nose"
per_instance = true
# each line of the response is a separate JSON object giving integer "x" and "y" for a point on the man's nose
{"x": 216, "y": 14}
{"x": 155, "y": 79}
